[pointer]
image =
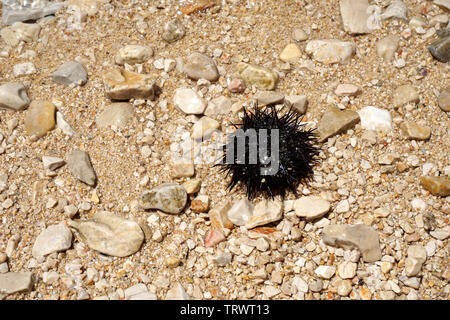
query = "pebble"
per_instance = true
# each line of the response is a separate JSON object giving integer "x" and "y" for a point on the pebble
{"x": 438, "y": 186}
{"x": 204, "y": 128}
{"x": 23, "y": 69}
{"x": 11, "y": 15}
{"x": 373, "y": 118}
{"x": 70, "y": 73}
{"x": 213, "y": 237}
{"x": 387, "y": 47}
{"x": 62, "y": 124}
{"x": 40, "y": 118}
{"x": 55, "y": 238}
{"x": 27, "y": 32}
{"x": 81, "y": 167}
{"x": 12, "y": 282}
{"x": 168, "y": 197}
{"x": 362, "y": 237}
{"x": 50, "y": 277}
{"x": 335, "y": 121}
{"x": 219, "y": 218}
{"x": 405, "y": 94}
{"x": 330, "y": 51}
{"x": 240, "y": 212}
{"x": 223, "y": 259}
{"x": 13, "y": 96}
{"x": 172, "y": 262}
{"x": 271, "y": 291}
{"x": 440, "y": 234}
{"x": 344, "y": 287}
{"x": 52, "y": 163}
{"x": 347, "y": 89}
{"x": 264, "y": 212}
{"x": 316, "y": 285}
{"x": 188, "y": 101}
{"x": 199, "y": 66}
{"x": 416, "y": 257}
{"x": 177, "y": 292}
{"x": 413, "y": 131}
{"x": 3, "y": 257}
{"x": 443, "y": 100}
{"x": 297, "y": 102}
{"x": 300, "y": 284}
{"x": 443, "y": 3}
{"x": 121, "y": 84}
{"x": 355, "y": 16}
{"x": 173, "y": 30}
{"x": 133, "y": 54}
{"x": 236, "y": 86}
{"x": 290, "y": 53}
{"x": 311, "y": 207}
{"x": 110, "y": 234}
{"x": 182, "y": 168}
{"x": 192, "y": 186}
{"x": 268, "y": 97}
{"x": 397, "y": 9}
{"x": 70, "y": 211}
{"x": 116, "y": 114}
{"x": 343, "y": 206}
{"x": 139, "y": 292}
{"x": 440, "y": 48}
{"x": 325, "y": 272}
{"x": 261, "y": 77}
{"x": 299, "y": 35}
{"x": 218, "y": 106}
{"x": 347, "y": 270}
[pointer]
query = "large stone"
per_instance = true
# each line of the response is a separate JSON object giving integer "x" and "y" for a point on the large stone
{"x": 70, "y": 73}
{"x": 265, "y": 211}
{"x": 413, "y": 131}
{"x": 387, "y": 47}
{"x": 81, "y": 167}
{"x": 110, "y": 234}
{"x": 188, "y": 101}
{"x": 311, "y": 207}
{"x": 199, "y": 66}
{"x": 373, "y": 118}
{"x": 169, "y": 197}
{"x": 261, "y": 77}
{"x": 330, "y": 51}
{"x": 40, "y": 118}
{"x": 133, "y": 54}
{"x": 444, "y": 99}
{"x": 13, "y": 96}
{"x": 12, "y": 282}
{"x": 55, "y": 238}
{"x": 362, "y": 237}
{"x": 12, "y": 14}
{"x": 116, "y": 114}
{"x": 335, "y": 121}
{"x": 438, "y": 186}
{"x": 20, "y": 32}
{"x": 355, "y": 16}
{"x": 124, "y": 85}
{"x": 291, "y": 53}
{"x": 405, "y": 94}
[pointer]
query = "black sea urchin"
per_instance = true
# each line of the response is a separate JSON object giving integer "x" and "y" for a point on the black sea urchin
{"x": 282, "y": 139}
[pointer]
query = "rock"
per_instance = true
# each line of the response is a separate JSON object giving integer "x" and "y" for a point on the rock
{"x": 63, "y": 125}
{"x": 355, "y": 16}
{"x": 271, "y": 291}
{"x": 110, "y": 234}
{"x": 139, "y": 292}
{"x": 223, "y": 259}
{"x": 413, "y": 131}
{"x": 172, "y": 262}
{"x": 443, "y": 100}
{"x": 347, "y": 270}
{"x": 12, "y": 282}
{"x": 344, "y": 287}
{"x": 192, "y": 186}
{"x": 40, "y": 118}
{"x": 55, "y": 238}
{"x": 265, "y": 211}
{"x": 316, "y": 285}
{"x": 23, "y": 69}
{"x": 218, "y": 106}
{"x": 405, "y": 94}
{"x": 362, "y": 237}
{"x": 20, "y": 32}
{"x": 335, "y": 121}
{"x": 311, "y": 207}
{"x": 70, "y": 211}
{"x": 290, "y": 53}
{"x": 387, "y": 47}
{"x": 199, "y": 66}
{"x": 438, "y": 186}
{"x": 373, "y": 118}
{"x": 325, "y": 272}
{"x": 268, "y": 97}
{"x": 300, "y": 284}
{"x": 200, "y": 204}
{"x": 236, "y": 86}
{"x": 440, "y": 234}
{"x": 3, "y": 257}
{"x": 177, "y": 292}
{"x": 133, "y": 54}
{"x": 173, "y": 31}
{"x": 213, "y": 237}
{"x": 168, "y": 197}
{"x": 297, "y": 102}
{"x": 240, "y": 212}
{"x": 13, "y": 96}
{"x": 81, "y": 167}
{"x": 50, "y": 277}
{"x": 330, "y": 51}
{"x": 261, "y": 77}
{"x": 52, "y": 163}
{"x": 12, "y": 14}
{"x": 116, "y": 114}
{"x": 443, "y": 3}
{"x": 347, "y": 89}
{"x": 416, "y": 257}
{"x": 397, "y": 9}
{"x": 219, "y": 218}
{"x": 188, "y": 101}
{"x": 70, "y": 73}
{"x": 299, "y": 35}
{"x": 204, "y": 128}
{"x": 182, "y": 168}
{"x": 124, "y": 85}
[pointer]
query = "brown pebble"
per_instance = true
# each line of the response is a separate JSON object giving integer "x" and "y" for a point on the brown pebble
{"x": 438, "y": 186}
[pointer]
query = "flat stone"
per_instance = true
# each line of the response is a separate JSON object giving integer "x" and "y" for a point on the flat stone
{"x": 177, "y": 292}
{"x": 110, "y": 234}
{"x": 290, "y": 53}
{"x": 23, "y": 69}
{"x": 438, "y": 186}
{"x": 173, "y": 30}
{"x": 213, "y": 237}
{"x": 440, "y": 234}
{"x": 81, "y": 167}
{"x": 20, "y": 32}
{"x": 218, "y": 216}
{"x": 70, "y": 73}
{"x": 40, "y": 118}
{"x": 405, "y": 94}
{"x": 268, "y": 97}
{"x": 311, "y": 207}
{"x": 325, "y": 272}
{"x": 199, "y": 66}
{"x": 413, "y": 131}
{"x": 13, "y": 96}
{"x": 355, "y": 16}
{"x": 218, "y": 106}
{"x": 373, "y": 118}
{"x": 334, "y": 121}
{"x": 397, "y": 9}
{"x": 133, "y": 54}
{"x": 261, "y": 77}
{"x": 264, "y": 212}
{"x": 223, "y": 259}
{"x": 297, "y": 102}
{"x": 168, "y": 197}
{"x": 52, "y": 163}
{"x": 121, "y": 84}
{"x": 387, "y": 47}
{"x": 116, "y": 114}
{"x": 443, "y": 100}
{"x": 362, "y": 237}
{"x": 12, "y": 282}
{"x": 330, "y": 51}
{"x": 240, "y": 212}
{"x": 416, "y": 257}
{"x": 204, "y": 128}
{"x": 55, "y": 238}
{"x": 182, "y": 168}
{"x": 188, "y": 101}
{"x": 347, "y": 89}
{"x": 347, "y": 270}
{"x": 11, "y": 15}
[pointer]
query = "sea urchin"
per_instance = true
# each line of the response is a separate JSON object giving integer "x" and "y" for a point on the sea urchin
{"x": 279, "y": 152}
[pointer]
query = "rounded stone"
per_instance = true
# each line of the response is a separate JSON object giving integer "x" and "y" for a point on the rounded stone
{"x": 13, "y": 96}
{"x": 290, "y": 53}
{"x": 173, "y": 31}
{"x": 133, "y": 54}
{"x": 261, "y": 77}
{"x": 169, "y": 197}
{"x": 199, "y": 66}
{"x": 55, "y": 238}
{"x": 188, "y": 101}
{"x": 311, "y": 207}
{"x": 444, "y": 99}
{"x": 40, "y": 118}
